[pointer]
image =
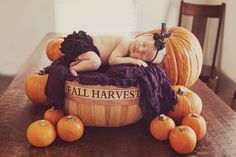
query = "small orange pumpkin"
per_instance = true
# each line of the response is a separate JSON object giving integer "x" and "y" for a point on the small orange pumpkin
{"x": 41, "y": 133}
{"x": 188, "y": 102}
{"x": 197, "y": 123}
{"x": 34, "y": 87}
{"x": 53, "y": 115}
{"x": 53, "y": 48}
{"x": 161, "y": 126}
{"x": 183, "y": 139}
{"x": 70, "y": 128}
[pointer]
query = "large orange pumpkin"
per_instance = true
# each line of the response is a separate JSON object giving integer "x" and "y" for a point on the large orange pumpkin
{"x": 188, "y": 102}
{"x": 53, "y": 115}
{"x": 161, "y": 126}
{"x": 53, "y": 48}
{"x": 41, "y": 133}
{"x": 34, "y": 87}
{"x": 183, "y": 139}
{"x": 197, "y": 123}
{"x": 70, "y": 128}
{"x": 183, "y": 62}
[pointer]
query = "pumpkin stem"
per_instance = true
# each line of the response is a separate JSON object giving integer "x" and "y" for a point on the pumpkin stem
{"x": 180, "y": 92}
{"x": 182, "y": 129}
{"x": 162, "y": 117}
{"x": 42, "y": 72}
{"x": 52, "y": 108}
{"x": 194, "y": 115}
{"x": 70, "y": 117}
{"x": 163, "y": 31}
{"x": 42, "y": 123}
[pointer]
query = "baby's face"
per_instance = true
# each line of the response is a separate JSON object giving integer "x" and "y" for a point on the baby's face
{"x": 143, "y": 48}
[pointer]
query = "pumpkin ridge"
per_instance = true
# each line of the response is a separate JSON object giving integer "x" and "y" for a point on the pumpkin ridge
{"x": 193, "y": 62}
{"x": 170, "y": 64}
{"x": 189, "y": 105}
{"x": 184, "y": 34}
{"x": 37, "y": 94}
{"x": 195, "y": 97}
{"x": 186, "y": 46}
{"x": 198, "y": 56}
{"x": 185, "y": 60}
{"x": 194, "y": 50}
{"x": 182, "y": 102}
{"x": 195, "y": 45}
{"x": 178, "y": 58}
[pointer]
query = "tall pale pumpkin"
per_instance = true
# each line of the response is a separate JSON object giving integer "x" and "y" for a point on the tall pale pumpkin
{"x": 183, "y": 62}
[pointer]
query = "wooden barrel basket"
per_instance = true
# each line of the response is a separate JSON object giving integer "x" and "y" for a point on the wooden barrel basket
{"x": 103, "y": 106}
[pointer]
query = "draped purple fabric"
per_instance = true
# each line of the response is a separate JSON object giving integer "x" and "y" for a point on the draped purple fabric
{"x": 156, "y": 97}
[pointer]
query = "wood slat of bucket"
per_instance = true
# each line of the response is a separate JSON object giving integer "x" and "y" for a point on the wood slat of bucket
{"x": 106, "y": 106}
{"x": 114, "y": 117}
{"x": 131, "y": 114}
{"x": 99, "y": 115}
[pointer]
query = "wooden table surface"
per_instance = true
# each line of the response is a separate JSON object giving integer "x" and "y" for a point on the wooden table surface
{"x": 135, "y": 140}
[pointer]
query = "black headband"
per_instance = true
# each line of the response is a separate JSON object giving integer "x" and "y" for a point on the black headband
{"x": 159, "y": 43}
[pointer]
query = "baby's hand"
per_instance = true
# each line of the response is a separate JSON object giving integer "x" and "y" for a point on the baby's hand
{"x": 139, "y": 62}
{"x": 73, "y": 72}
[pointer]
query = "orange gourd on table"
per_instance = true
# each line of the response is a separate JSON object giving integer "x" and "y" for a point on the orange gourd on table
{"x": 34, "y": 87}
{"x": 53, "y": 115}
{"x": 183, "y": 139}
{"x": 188, "y": 102}
{"x": 70, "y": 128}
{"x": 183, "y": 62}
{"x": 197, "y": 123}
{"x": 41, "y": 133}
{"x": 161, "y": 126}
{"x": 53, "y": 48}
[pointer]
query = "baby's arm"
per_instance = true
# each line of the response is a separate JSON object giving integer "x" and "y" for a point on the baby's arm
{"x": 120, "y": 55}
{"x": 88, "y": 61}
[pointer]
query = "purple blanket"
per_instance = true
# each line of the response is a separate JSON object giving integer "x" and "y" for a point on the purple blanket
{"x": 156, "y": 95}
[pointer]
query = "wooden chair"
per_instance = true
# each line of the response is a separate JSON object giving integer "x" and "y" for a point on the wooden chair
{"x": 233, "y": 101}
{"x": 200, "y": 14}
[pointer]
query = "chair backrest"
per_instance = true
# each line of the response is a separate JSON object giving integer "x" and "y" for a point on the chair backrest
{"x": 233, "y": 101}
{"x": 200, "y": 14}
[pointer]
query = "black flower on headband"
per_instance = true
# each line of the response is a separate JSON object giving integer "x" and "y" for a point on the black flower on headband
{"x": 159, "y": 41}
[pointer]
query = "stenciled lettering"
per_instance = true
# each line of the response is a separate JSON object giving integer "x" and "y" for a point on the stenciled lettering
{"x": 95, "y": 93}
{"x": 103, "y": 94}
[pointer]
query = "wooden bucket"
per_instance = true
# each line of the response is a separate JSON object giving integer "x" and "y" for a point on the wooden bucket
{"x": 103, "y": 106}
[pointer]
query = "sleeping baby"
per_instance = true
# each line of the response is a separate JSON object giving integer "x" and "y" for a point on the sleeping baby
{"x": 87, "y": 53}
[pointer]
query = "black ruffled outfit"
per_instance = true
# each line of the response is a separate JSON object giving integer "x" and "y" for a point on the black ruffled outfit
{"x": 76, "y": 44}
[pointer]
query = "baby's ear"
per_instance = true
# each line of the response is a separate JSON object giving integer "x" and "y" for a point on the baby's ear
{"x": 160, "y": 56}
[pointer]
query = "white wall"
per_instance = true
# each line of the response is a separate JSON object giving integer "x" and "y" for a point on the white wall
{"x": 228, "y": 61}
{"x": 23, "y": 23}
{"x": 97, "y": 16}
{"x": 151, "y": 13}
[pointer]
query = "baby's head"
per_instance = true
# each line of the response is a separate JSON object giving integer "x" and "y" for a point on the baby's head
{"x": 148, "y": 47}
